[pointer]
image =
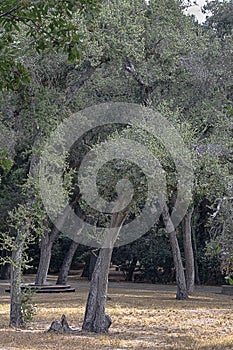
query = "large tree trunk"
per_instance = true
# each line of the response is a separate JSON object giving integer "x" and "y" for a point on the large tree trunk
{"x": 65, "y": 268}
{"x": 92, "y": 263}
{"x": 46, "y": 248}
{"x": 95, "y": 319}
{"x": 182, "y": 293}
{"x": 188, "y": 251}
{"x": 45, "y": 257}
{"x": 16, "y": 317}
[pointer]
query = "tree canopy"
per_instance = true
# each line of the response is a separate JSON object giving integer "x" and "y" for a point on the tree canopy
{"x": 60, "y": 57}
{"x": 44, "y": 25}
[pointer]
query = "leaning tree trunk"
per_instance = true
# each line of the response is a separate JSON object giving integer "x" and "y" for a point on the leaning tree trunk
{"x": 46, "y": 248}
{"x": 182, "y": 293}
{"x": 90, "y": 264}
{"x": 188, "y": 251}
{"x": 45, "y": 257}
{"x": 95, "y": 319}
{"x": 91, "y": 267}
{"x": 16, "y": 317}
{"x": 65, "y": 268}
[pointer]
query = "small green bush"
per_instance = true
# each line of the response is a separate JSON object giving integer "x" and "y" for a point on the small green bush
{"x": 27, "y": 305}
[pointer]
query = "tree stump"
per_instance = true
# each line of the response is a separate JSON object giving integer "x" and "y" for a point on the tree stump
{"x": 60, "y": 327}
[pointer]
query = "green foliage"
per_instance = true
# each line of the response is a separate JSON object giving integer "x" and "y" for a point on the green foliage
{"x": 153, "y": 255}
{"x": 24, "y": 224}
{"x": 220, "y": 223}
{"x": 221, "y": 243}
{"x": 145, "y": 47}
{"x": 150, "y": 54}
{"x": 28, "y": 306}
{"x": 46, "y": 25}
{"x": 5, "y": 162}
{"x": 156, "y": 263}
{"x": 220, "y": 17}
{"x": 209, "y": 267}
{"x": 229, "y": 279}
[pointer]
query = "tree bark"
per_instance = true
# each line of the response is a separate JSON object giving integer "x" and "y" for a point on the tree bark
{"x": 197, "y": 277}
{"x": 188, "y": 251}
{"x": 46, "y": 248}
{"x": 65, "y": 268}
{"x": 16, "y": 317}
{"x": 91, "y": 267}
{"x": 95, "y": 319}
{"x": 45, "y": 257}
{"x": 182, "y": 293}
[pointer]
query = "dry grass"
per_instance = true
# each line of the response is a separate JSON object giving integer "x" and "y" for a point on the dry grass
{"x": 148, "y": 319}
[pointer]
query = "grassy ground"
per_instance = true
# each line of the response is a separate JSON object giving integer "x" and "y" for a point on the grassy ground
{"x": 144, "y": 317}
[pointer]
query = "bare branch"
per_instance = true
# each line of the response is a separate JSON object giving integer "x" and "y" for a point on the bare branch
{"x": 220, "y": 200}
{"x": 79, "y": 83}
{"x": 218, "y": 208}
{"x": 16, "y": 7}
{"x": 130, "y": 68}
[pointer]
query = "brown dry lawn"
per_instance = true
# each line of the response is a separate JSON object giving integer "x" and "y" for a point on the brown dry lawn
{"x": 144, "y": 317}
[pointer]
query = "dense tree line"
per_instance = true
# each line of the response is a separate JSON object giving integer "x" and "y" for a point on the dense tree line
{"x": 127, "y": 51}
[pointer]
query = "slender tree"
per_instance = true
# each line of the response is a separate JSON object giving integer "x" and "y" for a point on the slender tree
{"x": 188, "y": 251}
{"x": 95, "y": 319}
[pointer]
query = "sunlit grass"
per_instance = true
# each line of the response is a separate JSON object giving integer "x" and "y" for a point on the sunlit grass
{"x": 148, "y": 319}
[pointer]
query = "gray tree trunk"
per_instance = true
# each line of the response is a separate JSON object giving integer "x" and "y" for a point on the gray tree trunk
{"x": 188, "y": 252}
{"x": 46, "y": 248}
{"x": 16, "y": 317}
{"x": 90, "y": 264}
{"x": 197, "y": 277}
{"x": 65, "y": 268}
{"x": 45, "y": 257}
{"x": 91, "y": 267}
{"x": 95, "y": 319}
{"x": 182, "y": 293}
